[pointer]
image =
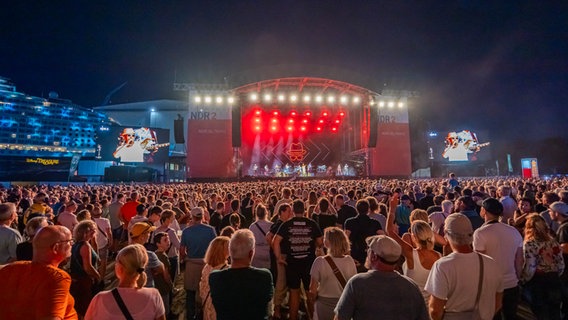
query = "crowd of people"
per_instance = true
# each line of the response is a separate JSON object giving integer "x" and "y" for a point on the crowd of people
{"x": 469, "y": 248}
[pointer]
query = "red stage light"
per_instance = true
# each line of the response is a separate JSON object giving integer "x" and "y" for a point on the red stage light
{"x": 318, "y": 129}
{"x": 305, "y": 121}
{"x": 257, "y": 112}
{"x": 273, "y": 128}
{"x": 293, "y": 113}
{"x": 257, "y": 120}
{"x": 257, "y": 128}
{"x": 290, "y": 128}
{"x": 275, "y": 113}
{"x": 274, "y": 120}
{"x": 291, "y": 120}
{"x": 303, "y": 128}
{"x": 321, "y": 121}
{"x": 337, "y": 121}
{"x": 325, "y": 114}
{"x": 308, "y": 113}
{"x": 334, "y": 129}
{"x": 342, "y": 114}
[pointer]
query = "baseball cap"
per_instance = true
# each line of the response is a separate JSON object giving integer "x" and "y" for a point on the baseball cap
{"x": 492, "y": 206}
{"x": 197, "y": 212}
{"x": 385, "y": 247}
{"x": 458, "y": 224}
{"x": 560, "y": 207}
{"x": 139, "y": 228}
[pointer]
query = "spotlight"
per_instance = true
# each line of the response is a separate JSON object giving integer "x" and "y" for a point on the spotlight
{"x": 307, "y": 98}
{"x": 208, "y": 99}
{"x": 257, "y": 120}
{"x": 356, "y": 100}
{"x": 331, "y": 99}
{"x": 257, "y": 128}
{"x": 325, "y": 114}
{"x": 303, "y": 128}
{"x": 274, "y": 120}
{"x": 305, "y": 121}
{"x": 293, "y": 113}
{"x": 253, "y": 97}
{"x": 334, "y": 129}
{"x": 342, "y": 114}
{"x": 219, "y": 100}
{"x": 257, "y": 112}
{"x": 318, "y": 128}
{"x": 281, "y": 98}
{"x": 337, "y": 121}
{"x": 321, "y": 121}
{"x": 267, "y": 97}
{"x": 293, "y": 98}
{"x": 381, "y": 104}
{"x": 197, "y": 99}
{"x": 152, "y": 110}
{"x": 273, "y": 128}
{"x": 231, "y": 100}
{"x": 275, "y": 113}
{"x": 391, "y": 104}
{"x": 343, "y": 99}
{"x": 291, "y": 120}
{"x": 319, "y": 99}
{"x": 400, "y": 104}
{"x": 308, "y": 113}
{"x": 290, "y": 128}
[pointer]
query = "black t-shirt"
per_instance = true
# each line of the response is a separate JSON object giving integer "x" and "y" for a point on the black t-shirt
{"x": 344, "y": 213}
{"x": 325, "y": 220}
{"x": 299, "y": 234}
{"x": 215, "y": 221}
{"x": 361, "y": 227}
{"x": 227, "y": 222}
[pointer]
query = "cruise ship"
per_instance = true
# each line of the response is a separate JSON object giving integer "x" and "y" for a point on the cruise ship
{"x": 45, "y": 132}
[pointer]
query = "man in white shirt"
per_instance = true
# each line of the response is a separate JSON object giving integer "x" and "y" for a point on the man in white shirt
{"x": 509, "y": 204}
{"x": 504, "y": 244}
{"x": 67, "y": 217}
{"x": 454, "y": 281}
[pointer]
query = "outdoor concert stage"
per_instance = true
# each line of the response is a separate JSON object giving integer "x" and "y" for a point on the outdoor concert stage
{"x": 298, "y": 128}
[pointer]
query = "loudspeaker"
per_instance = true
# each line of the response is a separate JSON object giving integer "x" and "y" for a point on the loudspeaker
{"x": 373, "y": 126}
{"x": 178, "y": 131}
{"x": 236, "y": 126}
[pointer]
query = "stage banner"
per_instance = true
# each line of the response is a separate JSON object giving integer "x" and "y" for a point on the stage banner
{"x": 391, "y": 156}
{"x": 209, "y": 150}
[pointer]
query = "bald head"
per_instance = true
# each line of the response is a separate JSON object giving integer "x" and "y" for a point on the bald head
{"x": 52, "y": 244}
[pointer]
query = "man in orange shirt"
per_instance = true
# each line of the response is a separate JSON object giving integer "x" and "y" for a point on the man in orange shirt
{"x": 38, "y": 289}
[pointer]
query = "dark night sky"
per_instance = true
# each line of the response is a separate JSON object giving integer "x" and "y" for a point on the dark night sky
{"x": 500, "y": 66}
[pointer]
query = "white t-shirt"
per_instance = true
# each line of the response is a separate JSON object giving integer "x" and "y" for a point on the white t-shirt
{"x": 437, "y": 219}
{"x": 501, "y": 242}
{"x": 321, "y": 271}
{"x": 144, "y": 303}
{"x": 103, "y": 225}
{"x": 455, "y": 278}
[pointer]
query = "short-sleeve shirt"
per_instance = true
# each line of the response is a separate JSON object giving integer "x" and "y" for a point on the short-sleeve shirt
{"x": 9, "y": 240}
{"x": 298, "y": 238}
{"x": 241, "y": 293}
{"x": 196, "y": 239}
{"x": 360, "y": 228}
{"x": 33, "y": 291}
{"x": 143, "y": 304}
{"x": 344, "y": 213}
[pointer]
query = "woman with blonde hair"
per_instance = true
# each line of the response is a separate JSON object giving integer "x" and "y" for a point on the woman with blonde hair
{"x": 542, "y": 268}
{"x": 419, "y": 254}
{"x": 140, "y": 302}
{"x": 215, "y": 259}
{"x": 325, "y": 286}
{"x": 84, "y": 264}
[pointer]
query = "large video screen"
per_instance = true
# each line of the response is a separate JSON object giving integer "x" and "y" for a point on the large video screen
{"x": 133, "y": 144}
{"x": 465, "y": 145}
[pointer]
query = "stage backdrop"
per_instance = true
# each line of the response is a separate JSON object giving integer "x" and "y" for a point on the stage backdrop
{"x": 209, "y": 149}
{"x": 391, "y": 156}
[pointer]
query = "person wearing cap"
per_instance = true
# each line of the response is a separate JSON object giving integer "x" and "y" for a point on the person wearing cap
{"x": 402, "y": 214}
{"x": 140, "y": 233}
{"x": 381, "y": 292}
{"x": 504, "y": 244}
{"x": 9, "y": 237}
{"x": 559, "y": 214}
{"x": 39, "y": 289}
{"x": 194, "y": 242}
{"x": 458, "y": 279}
